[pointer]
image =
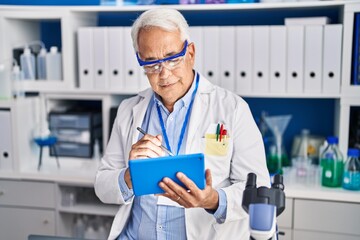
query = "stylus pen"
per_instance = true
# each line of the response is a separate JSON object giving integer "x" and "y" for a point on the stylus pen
{"x": 163, "y": 147}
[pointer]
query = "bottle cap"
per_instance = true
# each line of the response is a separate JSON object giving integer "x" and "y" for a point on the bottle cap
{"x": 42, "y": 51}
{"x": 332, "y": 140}
{"x": 53, "y": 49}
{"x": 16, "y": 69}
{"x": 353, "y": 152}
{"x": 27, "y": 51}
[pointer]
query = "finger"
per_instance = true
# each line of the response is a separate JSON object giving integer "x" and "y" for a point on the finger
{"x": 146, "y": 147}
{"x": 193, "y": 188}
{"x": 208, "y": 177}
{"x": 169, "y": 192}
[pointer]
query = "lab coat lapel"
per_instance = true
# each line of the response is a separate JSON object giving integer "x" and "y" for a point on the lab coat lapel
{"x": 197, "y": 113}
{"x": 139, "y": 112}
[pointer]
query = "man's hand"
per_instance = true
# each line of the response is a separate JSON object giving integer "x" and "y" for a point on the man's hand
{"x": 194, "y": 197}
{"x": 147, "y": 147}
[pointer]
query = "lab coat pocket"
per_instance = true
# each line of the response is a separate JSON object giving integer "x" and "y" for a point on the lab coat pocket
{"x": 214, "y": 147}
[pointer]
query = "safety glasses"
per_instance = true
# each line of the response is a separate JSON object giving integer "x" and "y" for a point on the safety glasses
{"x": 169, "y": 63}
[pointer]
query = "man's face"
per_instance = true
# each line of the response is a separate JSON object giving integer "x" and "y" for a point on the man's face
{"x": 155, "y": 44}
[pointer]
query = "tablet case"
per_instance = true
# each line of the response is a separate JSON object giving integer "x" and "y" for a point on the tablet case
{"x": 147, "y": 173}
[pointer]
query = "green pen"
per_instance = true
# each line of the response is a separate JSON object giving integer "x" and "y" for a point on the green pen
{"x": 217, "y": 132}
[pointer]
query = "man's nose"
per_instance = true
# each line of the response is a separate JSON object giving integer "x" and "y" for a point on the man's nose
{"x": 164, "y": 72}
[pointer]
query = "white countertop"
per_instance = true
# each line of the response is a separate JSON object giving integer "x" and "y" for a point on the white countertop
{"x": 84, "y": 175}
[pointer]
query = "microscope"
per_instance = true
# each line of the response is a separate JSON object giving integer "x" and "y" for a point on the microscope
{"x": 263, "y": 206}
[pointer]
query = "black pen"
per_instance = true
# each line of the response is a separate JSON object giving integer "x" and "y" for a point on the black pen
{"x": 163, "y": 147}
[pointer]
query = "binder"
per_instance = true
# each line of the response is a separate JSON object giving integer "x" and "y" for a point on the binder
{"x": 116, "y": 60}
{"x": 261, "y": 39}
{"x": 227, "y": 57}
{"x": 244, "y": 59}
{"x": 355, "y": 73}
{"x": 196, "y": 36}
{"x": 278, "y": 59}
{"x": 295, "y": 59}
{"x": 332, "y": 58}
{"x": 211, "y": 54}
{"x": 313, "y": 59}
{"x": 85, "y": 58}
{"x": 6, "y": 154}
{"x": 100, "y": 49}
{"x": 132, "y": 68}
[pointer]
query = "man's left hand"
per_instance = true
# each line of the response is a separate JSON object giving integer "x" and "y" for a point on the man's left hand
{"x": 194, "y": 197}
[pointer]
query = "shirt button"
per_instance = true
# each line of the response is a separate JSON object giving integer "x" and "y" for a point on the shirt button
{"x": 171, "y": 118}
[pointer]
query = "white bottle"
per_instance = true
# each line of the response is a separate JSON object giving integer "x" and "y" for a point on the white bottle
{"x": 79, "y": 228}
{"x": 41, "y": 64}
{"x": 27, "y": 63}
{"x": 90, "y": 232}
{"x": 5, "y": 83}
{"x": 53, "y": 65}
{"x": 16, "y": 78}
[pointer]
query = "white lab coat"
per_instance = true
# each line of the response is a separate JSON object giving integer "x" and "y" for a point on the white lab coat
{"x": 246, "y": 154}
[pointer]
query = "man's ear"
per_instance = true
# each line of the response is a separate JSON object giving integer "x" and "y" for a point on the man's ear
{"x": 191, "y": 52}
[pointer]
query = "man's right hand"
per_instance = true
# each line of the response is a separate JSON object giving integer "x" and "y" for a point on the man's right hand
{"x": 147, "y": 147}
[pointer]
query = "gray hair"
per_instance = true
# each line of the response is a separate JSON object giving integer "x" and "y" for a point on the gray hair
{"x": 166, "y": 18}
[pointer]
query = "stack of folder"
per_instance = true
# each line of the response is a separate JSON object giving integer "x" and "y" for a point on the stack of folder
{"x": 293, "y": 59}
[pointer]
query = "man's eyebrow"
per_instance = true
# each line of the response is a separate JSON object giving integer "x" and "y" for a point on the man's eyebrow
{"x": 167, "y": 55}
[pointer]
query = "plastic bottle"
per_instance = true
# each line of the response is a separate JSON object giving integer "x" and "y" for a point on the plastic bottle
{"x": 16, "y": 78}
{"x": 79, "y": 228}
{"x": 27, "y": 63}
{"x": 351, "y": 179}
{"x": 301, "y": 159}
{"x": 332, "y": 165}
{"x": 5, "y": 83}
{"x": 41, "y": 64}
{"x": 53, "y": 65}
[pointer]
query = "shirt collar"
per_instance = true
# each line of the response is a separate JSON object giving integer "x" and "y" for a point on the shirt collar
{"x": 182, "y": 102}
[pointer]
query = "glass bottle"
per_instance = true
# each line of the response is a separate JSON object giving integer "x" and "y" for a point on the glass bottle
{"x": 332, "y": 165}
{"x": 351, "y": 179}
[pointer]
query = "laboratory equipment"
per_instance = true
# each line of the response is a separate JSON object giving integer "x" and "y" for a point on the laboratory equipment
{"x": 5, "y": 83}
{"x": 16, "y": 78}
{"x": 263, "y": 206}
{"x": 351, "y": 178}
{"x": 331, "y": 162}
{"x": 305, "y": 158}
{"x": 277, "y": 156}
{"x": 27, "y": 63}
{"x": 53, "y": 64}
{"x": 41, "y": 64}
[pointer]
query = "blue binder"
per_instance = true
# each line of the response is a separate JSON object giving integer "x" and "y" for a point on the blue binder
{"x": 147, "y": 173}
{"x": 356, "y": 51}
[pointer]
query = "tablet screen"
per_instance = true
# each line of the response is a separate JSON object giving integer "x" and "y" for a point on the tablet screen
{"x": 147, "y": 173}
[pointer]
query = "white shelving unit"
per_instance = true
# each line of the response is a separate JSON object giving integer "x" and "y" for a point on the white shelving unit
{"x": 21, "y": 24}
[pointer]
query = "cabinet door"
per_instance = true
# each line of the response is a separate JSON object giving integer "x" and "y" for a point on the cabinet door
{"x": 285, "y": 219}
{"x": 19, "y": 223}
{"x": 309, "y": 235}
{"x": 286, "y": 234}
{"x": 327, "y": 216}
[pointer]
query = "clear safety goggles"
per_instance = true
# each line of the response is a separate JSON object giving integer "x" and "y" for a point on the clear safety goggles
{"x": 169, "y": 63}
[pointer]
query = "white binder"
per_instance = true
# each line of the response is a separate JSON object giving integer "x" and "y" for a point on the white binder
{"x": 196, "y": 36}
{"x": 278, "y": 59}
{"x": 313, "y": 58}
{"x": 211, "y": 54}
{"x": 101, "y": 79}
{"x": 116, "y": 60}
{"x": 132, "y": 67}
{"x": 332, "y": 58}
{"x": 261, "y": 39}
{"x": 295, "y": 59}
{"x": 6, "y": 153}
{"x": 227, "y": 57}
{"x": 244, "y": 59}
{"x": 85, "y": 58}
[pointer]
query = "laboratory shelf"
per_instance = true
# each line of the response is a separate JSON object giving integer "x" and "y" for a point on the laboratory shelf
{"x": 90, "y": 208}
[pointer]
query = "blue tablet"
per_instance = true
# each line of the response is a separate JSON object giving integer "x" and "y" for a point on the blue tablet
{"x": 147, "y": 173}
